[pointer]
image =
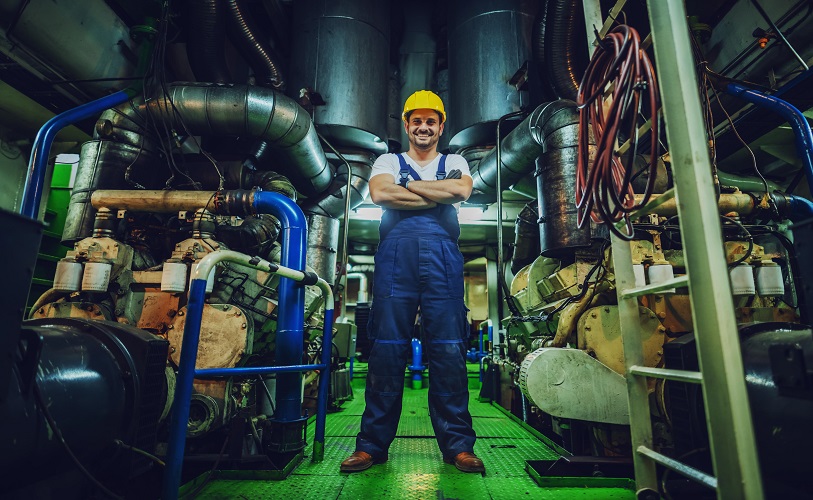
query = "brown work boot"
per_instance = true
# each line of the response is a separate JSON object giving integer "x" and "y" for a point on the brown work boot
{"x": 468, "y": 462}
{"x": 358, "y": 461}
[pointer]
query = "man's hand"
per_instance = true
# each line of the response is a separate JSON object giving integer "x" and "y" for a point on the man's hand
{"x": 454, "y": 174}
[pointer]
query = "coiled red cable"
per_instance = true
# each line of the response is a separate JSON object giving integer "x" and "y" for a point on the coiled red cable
{"x": 604, "y": 185}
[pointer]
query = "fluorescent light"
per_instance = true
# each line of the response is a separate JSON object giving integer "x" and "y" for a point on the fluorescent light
{"x": 367, "y": 213}
{"x": 470, "y": 214}
{"x": 466, "y": 214}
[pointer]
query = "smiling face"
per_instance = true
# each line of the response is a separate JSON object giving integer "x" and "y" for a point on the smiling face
{"x": 423, "y": 128}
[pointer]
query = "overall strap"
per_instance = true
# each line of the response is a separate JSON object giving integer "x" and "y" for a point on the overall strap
{"x": 441, "y": 168}
{"x": 406, "y": 171}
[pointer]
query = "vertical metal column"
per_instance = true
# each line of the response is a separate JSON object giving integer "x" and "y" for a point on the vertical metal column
{"x": 728, "y": 414}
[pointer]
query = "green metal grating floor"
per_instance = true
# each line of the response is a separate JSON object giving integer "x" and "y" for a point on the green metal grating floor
{"x": 415, "y": 469}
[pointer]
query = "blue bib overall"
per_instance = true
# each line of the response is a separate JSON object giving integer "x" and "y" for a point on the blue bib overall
{"x": 418, "y": 263}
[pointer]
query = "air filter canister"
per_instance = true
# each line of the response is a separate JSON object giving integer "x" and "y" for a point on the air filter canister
{"x": 769, "y": 280}
{"x": 742, "y": 280}
{"x": 96, "y": 277}
{"x": 660, "y": 273}
{"x": 68, "y": 276}
{"x": 173, "y": 277}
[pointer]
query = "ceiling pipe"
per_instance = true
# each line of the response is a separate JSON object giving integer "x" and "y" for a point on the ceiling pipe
{"x": 551, "y": 125}
{"x": 239, "y": 110}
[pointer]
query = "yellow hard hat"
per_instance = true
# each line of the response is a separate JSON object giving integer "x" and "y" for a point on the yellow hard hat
{"x": 424, "y": 99}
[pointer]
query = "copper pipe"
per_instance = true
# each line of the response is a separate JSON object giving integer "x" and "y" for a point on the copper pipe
{"x": 742, "y": 203}
{"x": 156, "y": 201}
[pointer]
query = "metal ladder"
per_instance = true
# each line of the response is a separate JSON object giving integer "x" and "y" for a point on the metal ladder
{"x": 728, "y": 415}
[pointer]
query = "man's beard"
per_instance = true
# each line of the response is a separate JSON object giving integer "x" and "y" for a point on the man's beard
{"x": 433, "y": 140}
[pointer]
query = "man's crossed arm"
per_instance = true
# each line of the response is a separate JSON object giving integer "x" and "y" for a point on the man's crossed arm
{"x": 419, "y": 194}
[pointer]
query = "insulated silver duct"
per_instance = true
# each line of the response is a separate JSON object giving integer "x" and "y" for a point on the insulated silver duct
{"x": 551, "y": 125}
{"x": 323, "y": 244}
{"x": 71, "y": 41}
{"x": 332, "y": 203}
{"x": 206, "y": 109}
{"x": 236, "y": 110}
{"x": 106, "y": 164}
{"x": 240, "y": 110}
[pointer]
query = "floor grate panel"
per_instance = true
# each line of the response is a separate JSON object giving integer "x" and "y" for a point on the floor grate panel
{"x": 416, "y": 487}
{"x": 415, "y": 469}
{"x": 293, "y": 488}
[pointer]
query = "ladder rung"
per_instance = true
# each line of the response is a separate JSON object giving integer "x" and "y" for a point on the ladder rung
{"x": 677, "y": 282}
{"x": 643, "y": 129}
{"x": 646, "y": 42}
{"x": 668, "y": 374}
{"x": 611, "y": 17}
{"x": 679, "y": 467}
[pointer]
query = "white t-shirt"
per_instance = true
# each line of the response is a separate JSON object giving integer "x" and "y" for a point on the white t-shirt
{"x": 389, "y": 164}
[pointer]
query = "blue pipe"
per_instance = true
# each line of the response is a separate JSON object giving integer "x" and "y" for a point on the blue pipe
{"x": 183, "y": 389}
{"x": 416, "y": 367}
{"x": 481, "y": 354}
{"x": 799, "y": 208}
{"x": 291, "y": 318}
{"x": 795, "y": 118}
{"x": 38, "y": 164}
{"x": 290, "y": 325}
{"x": 254, "y": 370}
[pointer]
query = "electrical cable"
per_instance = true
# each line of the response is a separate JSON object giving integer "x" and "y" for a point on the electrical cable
{"x": 750, "y": 152}
{"x": 509, "y": 299}
{"x": 267, "y": 393}
{"x": 43, "y": 408}
{"x": 546, "y": 317}
{"x": 155, "y": 82}
{"x": 345, "y": 222}
{"x": 211, "y": 473}
{"x": 603, "y": 186}
{"x": 750, "y": 238}
{"x": 152, "y": 457}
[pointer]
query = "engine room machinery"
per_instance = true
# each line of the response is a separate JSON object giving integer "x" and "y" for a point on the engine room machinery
{"x": 206, "y": 105}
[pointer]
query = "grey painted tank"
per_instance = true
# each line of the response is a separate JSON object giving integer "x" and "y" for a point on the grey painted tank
{"x": 488, "y": 42}
{"x": 340, "y": 50}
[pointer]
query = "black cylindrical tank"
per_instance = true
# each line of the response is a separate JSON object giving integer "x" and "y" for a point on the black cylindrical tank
{"x": 778, "y": 361}
{"x": 98, "y": 382}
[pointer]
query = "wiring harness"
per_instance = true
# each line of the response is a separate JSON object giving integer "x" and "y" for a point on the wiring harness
{"x": 619, "y": 67}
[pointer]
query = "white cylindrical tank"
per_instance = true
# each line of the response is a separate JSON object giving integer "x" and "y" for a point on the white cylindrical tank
{"x": 660, "y": 273}
{"x": 742, "y": 280}
{"x": 173, "y": 277}
{"x": 769, "y": 280}
{"x": 96, "y": 277}
{"x": 68, "y": 276}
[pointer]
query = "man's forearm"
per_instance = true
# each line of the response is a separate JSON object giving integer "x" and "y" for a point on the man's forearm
{"x": 396, "y": 197}
{"x": 446, "y": 191}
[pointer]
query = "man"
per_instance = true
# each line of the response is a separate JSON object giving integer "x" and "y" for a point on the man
{"x": 418, "y": 264}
